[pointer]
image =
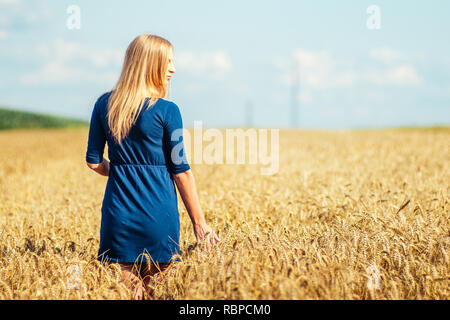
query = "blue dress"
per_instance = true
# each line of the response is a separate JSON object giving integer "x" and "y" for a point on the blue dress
{"x": 140, "y": 207}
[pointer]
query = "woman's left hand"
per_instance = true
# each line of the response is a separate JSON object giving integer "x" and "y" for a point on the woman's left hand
{"x": 204, "y": 233}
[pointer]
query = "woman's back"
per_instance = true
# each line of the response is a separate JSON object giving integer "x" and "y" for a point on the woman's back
{"x": 149, "y": 141}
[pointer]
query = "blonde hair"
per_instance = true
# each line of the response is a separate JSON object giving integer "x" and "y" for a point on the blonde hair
{"x": 143, "y": 76}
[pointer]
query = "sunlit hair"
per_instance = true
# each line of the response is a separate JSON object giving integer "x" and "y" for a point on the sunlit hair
{"x": 143, "y": 76}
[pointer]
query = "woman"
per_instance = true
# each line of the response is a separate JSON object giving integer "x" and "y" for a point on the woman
{"x": 145, "y": 147}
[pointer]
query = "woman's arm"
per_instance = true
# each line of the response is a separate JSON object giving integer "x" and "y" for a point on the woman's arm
{"x": 101, "y": 168}
{"x": 185, "y": 182}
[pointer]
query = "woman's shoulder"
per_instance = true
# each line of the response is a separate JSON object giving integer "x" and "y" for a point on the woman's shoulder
{"x": 102, "y": 100}
{"x": 168, "y": 106}
{"x": 168, "y": 103}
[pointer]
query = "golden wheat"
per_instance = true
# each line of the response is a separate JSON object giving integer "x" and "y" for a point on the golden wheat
{"x": 342, "y": 202}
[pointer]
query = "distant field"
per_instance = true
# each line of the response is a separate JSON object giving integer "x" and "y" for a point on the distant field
{"x": 441, "y": 128}
{"x": 349, "y": 215}
{"x": 15, "y": 119}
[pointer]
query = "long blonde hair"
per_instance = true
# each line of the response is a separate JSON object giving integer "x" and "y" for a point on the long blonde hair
{"x": 143, "y": 76}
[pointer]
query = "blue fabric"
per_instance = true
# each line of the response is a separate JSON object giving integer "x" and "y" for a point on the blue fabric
{"x": 140, "y": 207}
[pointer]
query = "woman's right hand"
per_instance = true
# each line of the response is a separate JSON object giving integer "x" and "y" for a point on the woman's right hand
{"x": 204, "y": 233}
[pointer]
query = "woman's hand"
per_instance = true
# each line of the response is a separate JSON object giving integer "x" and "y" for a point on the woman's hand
{"x": 205, "y": 234}
{"x": 185, "y": 182}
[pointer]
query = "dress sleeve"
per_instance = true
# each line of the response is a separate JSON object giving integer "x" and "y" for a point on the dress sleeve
{"x": 173, "y": 135}
{"x": 97, "y": 138}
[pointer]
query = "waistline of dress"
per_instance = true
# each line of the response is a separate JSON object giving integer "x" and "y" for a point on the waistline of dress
{"x": 138, "y": 164}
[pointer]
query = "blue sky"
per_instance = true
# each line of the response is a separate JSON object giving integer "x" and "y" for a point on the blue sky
{"x": 236, "y": 56}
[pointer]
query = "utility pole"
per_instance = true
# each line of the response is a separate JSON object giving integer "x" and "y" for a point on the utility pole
{"x": 249, "y": 114}
{"x": 295, "y": 92}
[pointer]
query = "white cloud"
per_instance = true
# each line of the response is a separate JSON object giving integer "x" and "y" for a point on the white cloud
{"x": 315, "y": 71}
{"x": 28, "y": 12}
{"x": 399, "y": 75}
{"x": 56, "y": 72}
{"x": 67, "y": 62}
{"x": 398, "y": 71}
{"x": 318, "y": 71}
{"x": 386, "y": 55}
{"x": 70, "y": 51}
{"x": 214, "y": 63}
{"x": 71, "y": 62}
{"x": 9, "y": 2}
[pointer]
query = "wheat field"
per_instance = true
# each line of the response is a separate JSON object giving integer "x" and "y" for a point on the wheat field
{"x": 349, "y": 215}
